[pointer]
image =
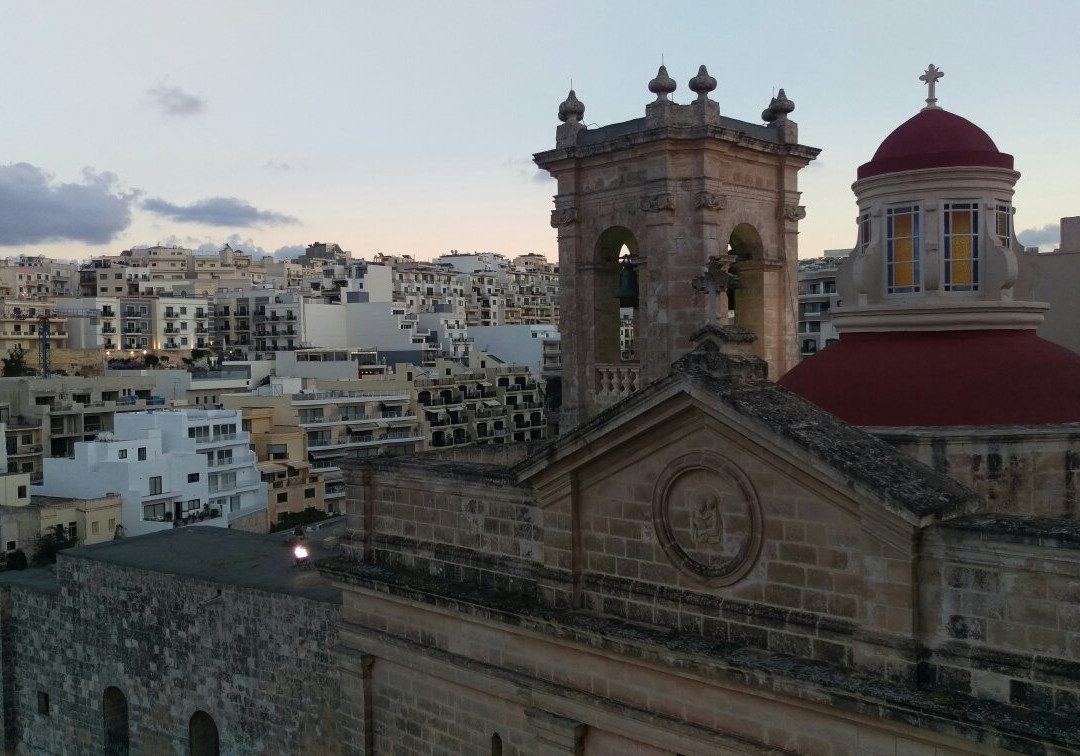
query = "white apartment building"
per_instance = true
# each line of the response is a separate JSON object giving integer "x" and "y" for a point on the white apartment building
{"x": 170, "y": 468}
{"x": 817, "y": 298}
{"x": 536, "y": 347}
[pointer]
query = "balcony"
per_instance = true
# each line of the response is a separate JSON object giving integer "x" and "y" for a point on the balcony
{"x": 237, "y": 460}
{"x": 203, "y": 440}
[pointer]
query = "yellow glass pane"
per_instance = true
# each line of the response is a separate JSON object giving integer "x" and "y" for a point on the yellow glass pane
{"x": 1002, "y": 225}
{"x": 901, "y": 225}
{"x": 961, "y": 272}
{"x": 902, "y": 250}
{"x": 903, "y": 275}
{"x": 961, "y": 222}
{"x": 960, "y": 248}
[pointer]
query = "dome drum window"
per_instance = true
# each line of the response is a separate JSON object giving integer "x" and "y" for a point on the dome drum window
{"x": 961, "y": 246}
{"x": 902, "y": 249}
{"x": 864, "y": 231}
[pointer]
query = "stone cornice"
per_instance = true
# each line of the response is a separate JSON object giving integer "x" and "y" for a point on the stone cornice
{"x": 675, "y": 133}
{"x": 943, "y": 314}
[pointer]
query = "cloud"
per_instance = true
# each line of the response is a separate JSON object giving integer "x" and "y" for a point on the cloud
{"x": 218, "y": 211}
{"x": 174, "y": 101}
{"x": 289, "y": 253}
{"x": 1047, "y": 236}
{"x": 35, "y": 209}
{"x": 275, "y": 165}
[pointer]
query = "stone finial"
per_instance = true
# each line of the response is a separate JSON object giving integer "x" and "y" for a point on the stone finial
{"x": 702, "y": 84}
{"x": 662, "y": 85}
{"x": 781, "y": 105}
{"x": 930, "y": 78}
{"x": 725, "y": 352}
{"x": 768, "y": 115}
{"x": 571, "y": 108}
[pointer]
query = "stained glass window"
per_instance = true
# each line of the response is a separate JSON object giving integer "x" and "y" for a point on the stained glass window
{"x": 961, "y": 228}
{"x": 902, "y": 248}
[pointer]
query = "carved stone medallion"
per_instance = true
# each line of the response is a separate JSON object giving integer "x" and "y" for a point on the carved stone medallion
{"x": 708, "y": 518}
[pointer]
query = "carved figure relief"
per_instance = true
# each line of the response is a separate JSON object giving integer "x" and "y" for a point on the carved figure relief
{"x": 563, "y": 216}
{"x": 791, "y": 212}
{"x": 707, "y": 525}
{"x": 708, "y": 201}
{"x": 708, "y": 518}
{"x": 656, "y": 202}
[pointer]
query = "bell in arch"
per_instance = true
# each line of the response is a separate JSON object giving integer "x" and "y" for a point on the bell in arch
{"x": 628, "y": 284}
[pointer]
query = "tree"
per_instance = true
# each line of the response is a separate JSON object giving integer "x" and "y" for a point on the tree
{"x": 49, "y": 544}
{"x": 151, "y": 361}
{"x": 16, "y": 560}
{"x": 15, "y": 363}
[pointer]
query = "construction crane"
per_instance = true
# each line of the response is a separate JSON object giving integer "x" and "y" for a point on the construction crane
{"x": 46, "y": 319}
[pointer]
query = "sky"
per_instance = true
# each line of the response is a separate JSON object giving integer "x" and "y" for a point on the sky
{"x": 409, "y": 127}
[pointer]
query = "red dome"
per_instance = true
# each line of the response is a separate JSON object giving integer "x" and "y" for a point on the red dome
{"x": 935, "y": 139}
{"x": 942, "y": 378}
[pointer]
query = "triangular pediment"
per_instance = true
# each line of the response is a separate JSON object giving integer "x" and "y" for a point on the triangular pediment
{"x": 760, "y": 421}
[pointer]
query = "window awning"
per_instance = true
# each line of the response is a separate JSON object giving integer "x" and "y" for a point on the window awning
{"x": 492, "y": 403}
{"x": 357, "y": 428}
{"x": 270, "y": 467}
{"x": 403, "y": 421}
{"x": 383, "y": 423}
{"x": 298, "y": 464}
{"x": 454, "y": 407}
{"x": 484, "y": 383}
{"x": 325, "y": 454}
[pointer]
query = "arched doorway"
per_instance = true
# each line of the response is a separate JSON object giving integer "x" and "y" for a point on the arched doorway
{"x": 616, "y": 330}
{"x": 203, "y": 735}
{"x": 114, "y": 716}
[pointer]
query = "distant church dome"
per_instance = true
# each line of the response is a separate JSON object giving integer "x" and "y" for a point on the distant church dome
{"x": 935, "y": 138}
{"x": 936, "y": 312}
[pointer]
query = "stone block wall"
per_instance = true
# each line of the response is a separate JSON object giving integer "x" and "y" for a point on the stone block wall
{"x": 458, "y": 522}
{"x": 259, "y": 663}
{"x": 1022, "y": 471}
{"x": 1001, "y": 616}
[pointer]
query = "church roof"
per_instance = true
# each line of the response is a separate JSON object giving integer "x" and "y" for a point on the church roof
{"x": 942, "y": 378}
{"x": 935, "y": 138}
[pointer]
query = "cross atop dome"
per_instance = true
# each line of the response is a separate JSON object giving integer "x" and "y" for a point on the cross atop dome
{"x": 930, "y": 77}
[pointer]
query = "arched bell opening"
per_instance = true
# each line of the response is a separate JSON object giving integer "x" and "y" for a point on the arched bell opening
{"x": 616, "y": 324}
{"x": 746, "y": 296}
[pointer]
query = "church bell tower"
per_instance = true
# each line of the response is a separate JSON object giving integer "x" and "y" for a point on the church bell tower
{"x": 642, "y": 208}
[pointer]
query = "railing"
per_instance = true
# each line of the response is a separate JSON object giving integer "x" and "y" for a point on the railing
{"x": 617, "y": 381}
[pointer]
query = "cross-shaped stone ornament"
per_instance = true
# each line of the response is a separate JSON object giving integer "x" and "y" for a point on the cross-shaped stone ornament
{"x": 714, "y": 282}
{"x": 933, "y": 73}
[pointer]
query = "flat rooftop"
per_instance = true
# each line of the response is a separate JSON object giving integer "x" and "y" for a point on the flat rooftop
{"x": 229, "y": 557}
